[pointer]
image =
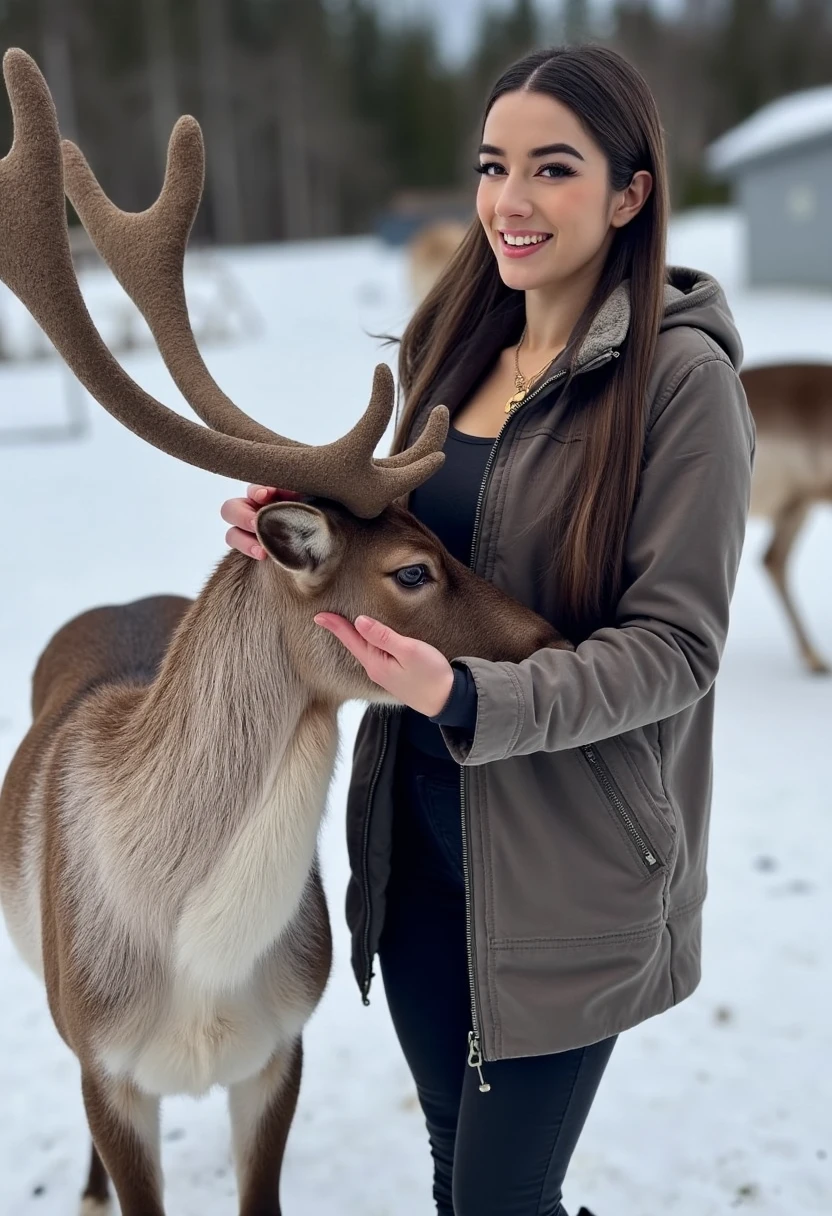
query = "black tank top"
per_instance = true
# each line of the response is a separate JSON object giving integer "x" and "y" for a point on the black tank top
{"x": 447, "y": 504}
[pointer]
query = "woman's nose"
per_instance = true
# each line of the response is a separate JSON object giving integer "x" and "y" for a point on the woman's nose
{"x": 512, "y": 200}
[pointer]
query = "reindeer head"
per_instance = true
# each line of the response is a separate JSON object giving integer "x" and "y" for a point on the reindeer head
{"x": 392, "y": 568}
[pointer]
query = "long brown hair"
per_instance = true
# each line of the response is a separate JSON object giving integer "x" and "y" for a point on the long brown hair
{"x": 470, "y": 314}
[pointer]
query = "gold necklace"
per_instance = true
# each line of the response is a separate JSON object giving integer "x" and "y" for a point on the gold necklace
{"x": 522, "y": 385}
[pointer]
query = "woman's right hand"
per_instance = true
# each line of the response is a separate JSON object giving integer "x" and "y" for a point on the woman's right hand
{"x": 241, "y": 513}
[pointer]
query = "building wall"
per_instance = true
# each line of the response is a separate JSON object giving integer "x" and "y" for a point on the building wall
{"x": 787, "y": 199}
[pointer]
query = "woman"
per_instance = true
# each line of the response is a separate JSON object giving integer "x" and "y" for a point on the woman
{"x": 528, "y": 840}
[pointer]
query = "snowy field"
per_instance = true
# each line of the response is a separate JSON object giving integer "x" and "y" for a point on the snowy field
{"x": 722, "y": 1104}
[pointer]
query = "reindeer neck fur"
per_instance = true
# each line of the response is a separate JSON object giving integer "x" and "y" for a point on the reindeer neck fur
{"x": 207, "y": 788}
{"x": 229, "y": 698}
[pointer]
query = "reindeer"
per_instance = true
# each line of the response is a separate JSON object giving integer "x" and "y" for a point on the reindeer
{"x": 159, "y": 821}
{"x": 428, "y": 252}
{"x": 792, "y": 408}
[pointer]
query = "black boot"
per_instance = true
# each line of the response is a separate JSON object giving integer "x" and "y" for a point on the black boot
{"x": 584, "y": 1212}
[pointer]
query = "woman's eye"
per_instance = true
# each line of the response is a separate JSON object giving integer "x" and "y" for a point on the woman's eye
{"x": 412, "y": 576}
{"x": 559, "y": 170}
{"x": 554, "y": 170}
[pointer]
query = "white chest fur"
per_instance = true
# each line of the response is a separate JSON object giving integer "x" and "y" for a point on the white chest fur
{"x": 196, "y": 1042}
{"x": 250, "y": 896}
{"x": 231, "y": 997}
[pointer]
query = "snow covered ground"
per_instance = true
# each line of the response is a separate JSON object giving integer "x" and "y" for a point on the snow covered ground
{"x": 721, "y": 1104}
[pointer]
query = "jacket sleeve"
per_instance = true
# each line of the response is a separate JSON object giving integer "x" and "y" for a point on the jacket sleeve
{"x": 682, "y": 553}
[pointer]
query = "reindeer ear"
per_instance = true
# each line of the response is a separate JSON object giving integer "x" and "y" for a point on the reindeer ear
{"x": 297, "y": 536}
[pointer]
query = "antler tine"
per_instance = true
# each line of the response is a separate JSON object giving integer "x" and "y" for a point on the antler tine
{"x": 36, "y": 264}
{"x": 432, "y": 439}
{"x": 373, "y": 423}
{"x": 145, "y": 250}
{"x": 361, "y": 441}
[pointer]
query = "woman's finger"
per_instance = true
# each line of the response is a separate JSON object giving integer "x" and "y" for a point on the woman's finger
{"x": 260, "y": 494}
{"x": 383, "y": 637}
{"x": 263, "y": 494}
{"x": 346, "y": 633}
{"x": 240, "y": 512}
{"x": 237, "y": 538}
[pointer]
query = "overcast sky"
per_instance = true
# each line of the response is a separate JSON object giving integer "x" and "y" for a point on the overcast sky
{"x": 457, "y": 18}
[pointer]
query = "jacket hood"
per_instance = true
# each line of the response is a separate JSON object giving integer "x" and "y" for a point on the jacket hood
{"x": 691, "y": 298}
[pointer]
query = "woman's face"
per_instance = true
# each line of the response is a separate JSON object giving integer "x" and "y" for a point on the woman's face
{"x": 547, "y": 180}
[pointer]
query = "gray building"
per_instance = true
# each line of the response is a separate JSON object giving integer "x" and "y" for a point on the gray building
{"x": 779, "y": 163}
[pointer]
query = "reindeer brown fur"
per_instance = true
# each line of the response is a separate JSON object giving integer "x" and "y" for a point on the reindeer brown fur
{"x": 428, "y": 252}
{"x": 792, "y": 408}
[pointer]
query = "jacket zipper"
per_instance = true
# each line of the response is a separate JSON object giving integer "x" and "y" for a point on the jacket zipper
{"x": 475, "y": 1057}
{"x": 365, "y": 871}
{"x": 623, "y": 810}
{"x": 474, "y": 1049}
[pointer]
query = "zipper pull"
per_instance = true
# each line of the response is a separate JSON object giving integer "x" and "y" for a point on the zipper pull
{"x": 365, "y": 994}
{"x": 475, "y": 1060}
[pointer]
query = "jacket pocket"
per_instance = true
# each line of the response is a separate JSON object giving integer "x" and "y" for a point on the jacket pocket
{"x": 648, "y": 841}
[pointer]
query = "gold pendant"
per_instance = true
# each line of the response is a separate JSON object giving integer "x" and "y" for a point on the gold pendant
{"x": 514, "y": 401}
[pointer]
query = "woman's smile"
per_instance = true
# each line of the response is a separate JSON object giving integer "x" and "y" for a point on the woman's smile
{"x": 520, "y": 244}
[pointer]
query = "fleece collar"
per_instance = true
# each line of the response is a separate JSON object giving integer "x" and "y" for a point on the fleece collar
{"x": 686, "y": 289}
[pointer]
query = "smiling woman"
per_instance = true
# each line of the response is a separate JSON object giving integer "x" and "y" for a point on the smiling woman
{"x": 528, "y": 862}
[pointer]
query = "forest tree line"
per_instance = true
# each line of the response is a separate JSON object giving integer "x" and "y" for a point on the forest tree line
{"x": 318, "y": 113}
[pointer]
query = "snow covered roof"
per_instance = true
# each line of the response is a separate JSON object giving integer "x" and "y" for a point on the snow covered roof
{"x": 790, "y": 120}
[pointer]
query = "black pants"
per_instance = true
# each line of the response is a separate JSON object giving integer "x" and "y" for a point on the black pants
{"x": 504, "y": 1153}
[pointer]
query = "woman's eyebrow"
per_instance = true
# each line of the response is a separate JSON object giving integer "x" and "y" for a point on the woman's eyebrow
{"x": 546, "y": 150}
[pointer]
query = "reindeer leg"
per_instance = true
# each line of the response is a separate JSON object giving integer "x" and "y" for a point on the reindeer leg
{"x": 787, "y": 525}
{"x": 125, "y": 1127}
{"x": 262, "y": 1110}
{"x": 96, "y": 1198}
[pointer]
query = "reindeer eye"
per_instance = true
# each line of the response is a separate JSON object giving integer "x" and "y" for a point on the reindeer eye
{"x": 412, "y": 576}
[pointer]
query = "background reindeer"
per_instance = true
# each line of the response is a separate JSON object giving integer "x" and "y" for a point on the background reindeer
{"x": 159, "y": 822}
{"x": 792, "y": 408}
{"x": 428, "y": 252}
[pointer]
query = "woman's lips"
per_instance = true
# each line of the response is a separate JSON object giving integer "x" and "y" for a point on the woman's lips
{"x": 521, "y": 251}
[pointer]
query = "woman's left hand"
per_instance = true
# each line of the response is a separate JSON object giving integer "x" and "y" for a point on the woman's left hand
{"x": 414, "y": 672}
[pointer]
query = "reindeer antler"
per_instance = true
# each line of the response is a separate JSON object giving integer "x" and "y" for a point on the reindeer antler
{"x": 146, "y": 253}
{"x": 35, "y": 262}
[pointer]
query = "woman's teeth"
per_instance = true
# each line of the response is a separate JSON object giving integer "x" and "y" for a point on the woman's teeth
{"x": 524, "y": 240}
